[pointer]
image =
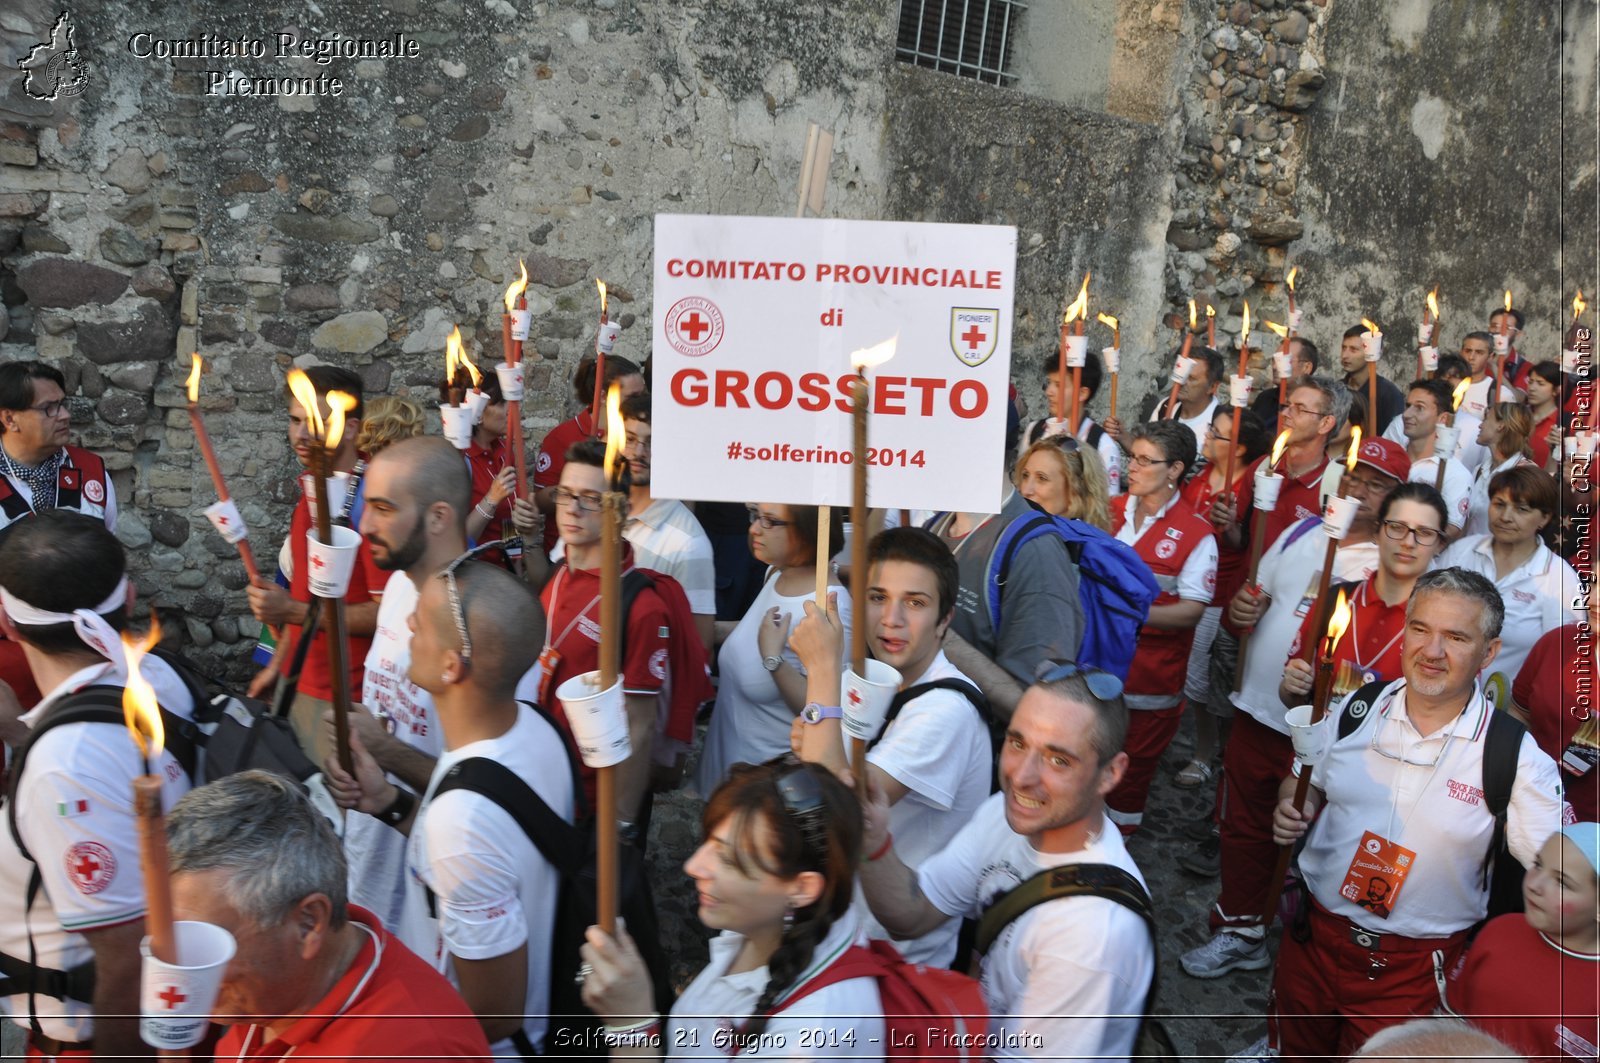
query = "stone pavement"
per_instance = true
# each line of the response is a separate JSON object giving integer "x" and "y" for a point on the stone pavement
{"x": 1207, "y": 1019}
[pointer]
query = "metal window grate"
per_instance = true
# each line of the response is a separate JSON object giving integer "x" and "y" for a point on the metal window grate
{"x": 968, "y": 38}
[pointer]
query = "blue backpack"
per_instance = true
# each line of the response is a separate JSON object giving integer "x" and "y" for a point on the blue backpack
{"x": 1115, "y": 586}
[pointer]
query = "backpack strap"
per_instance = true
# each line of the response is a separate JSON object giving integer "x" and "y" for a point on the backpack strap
{"x": 1501, "y": 747}
{"x": 902, "y": 698}
{"x": 633, "y": 581}
{"x": 557, "y": 840}
{"x": 1012, "y": 538}
{"x": 1357, "y": 706}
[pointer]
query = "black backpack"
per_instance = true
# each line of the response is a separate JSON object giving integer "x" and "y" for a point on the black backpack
{"x": 574, "y": 1030}
{"x": 1502, "y": 873}
{"x": 995, "y": 729}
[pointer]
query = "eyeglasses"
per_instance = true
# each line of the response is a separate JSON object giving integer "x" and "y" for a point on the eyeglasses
{"x": 1401, "y": 758}
{"x": 457, "y": 613}
{"x": 757, "y": 517}
{"x": 587, "y": 502}
{"x": 633, "y": 442}
{"x": 1300, "y": 409}
{"x": 1367, "y": 486}
{"x": 1399, "y": 529}
{"x": 49, "y": 409}
{"x": 1102, "y": 684}
{"x": 1144, "y": 462}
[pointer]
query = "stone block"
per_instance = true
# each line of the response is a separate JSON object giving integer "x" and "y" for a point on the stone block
{"x": 15, "y": 154}
{"x": 353, "y": 333}
{"x": 154, "y": 282}
{"x": 38, "y": 239}
{"x": 333, "y": 229}
{"x": 133, "y": 376}
{"x": 64, "y": 282}
{"x": 129, "y": 171}
{"x": 121, "y": 408}
{"x": 147, "y": 335}
{"x": 125, "y": 247}
{"x": 311, "y": 297}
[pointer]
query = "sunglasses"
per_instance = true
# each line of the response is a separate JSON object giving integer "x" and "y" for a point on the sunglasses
{"x": 801, "y": 794}
{"x": 449, "y": 576}
{"x": 1102, "y": 684}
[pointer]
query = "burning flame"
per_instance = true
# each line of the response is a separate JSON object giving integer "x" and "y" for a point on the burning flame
{"x": 1281, "y": 330}
{"x": 1192, "y": 325}
{"x": 598, "y": 283}
{"x": 614, "y": 428}
{"x": 1433, "y": 302}
{"x": 466, "y": 361}
{"x": 340, "y": 403}
{"x": 1106, "y": 319}
{"x": 1244, "y": 333}
{"x": 194, "y": 379}
{"x": 1210, "y": 310}
{"x": 1279, "y": 447}
{"x": 1338, "y": 622}
{"x": 1578, "y": 305}
{"x": 1292, "y": 273}
{"x": 1372, "y": 328}
{"x": 305, "y": 393}
{"x": 518, "y": 286}
{"x": 874, "y": 356}
{"x": 1355, "y": 448}
{"x": 1508, "y": 300}
{"x": 454, "y": 355}
{"x": 1080, "y": 306}
{"x": 1461, "y": 393}
{"x": 139, "y": 708}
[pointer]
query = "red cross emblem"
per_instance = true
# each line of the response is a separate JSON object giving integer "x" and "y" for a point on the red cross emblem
{"x": 223, "y": 520}
{"x": 855, "y": 698}
{"x": 91, "y": 866}
{"x": 171, "y": 996}
{"x": 973, "y": 336}
{"x": 694, "y": 325}
{"x": 317, "y": 562}
{"x": 974, "y": 333}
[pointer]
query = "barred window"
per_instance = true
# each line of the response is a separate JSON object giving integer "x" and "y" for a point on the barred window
{"x": 968, "y": 38}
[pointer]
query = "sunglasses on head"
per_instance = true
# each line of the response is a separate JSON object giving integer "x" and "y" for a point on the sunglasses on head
{"x": 449, "y": 576}
{"x": 1102, "y": 684}
{"x": 801, "y": 794}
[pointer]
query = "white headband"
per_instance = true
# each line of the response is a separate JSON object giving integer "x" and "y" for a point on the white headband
{"x": 89, "y": 624}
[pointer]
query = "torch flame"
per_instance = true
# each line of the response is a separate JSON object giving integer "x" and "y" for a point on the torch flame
{"x": 1372, "y": 328}
{"x": 1292, "y": 272}
{"x": 1080, "y": 305}
{"x": 1338, "y": 622}
{"x": 1461, "y": 393}
{"x": 1192, "y": 325}
{"x": 1106, "y": 319}
{"x": 1211, "y": 311}
{"x": 1355, "y": 448}
{"x": 453, "y": 356}
{"x": 1279, "y": 447}
{"x": 614, "y": 429}
{"x": 1433, "y": 302}
{"x": 340, "y": 403}
{"x": 1508, "y": 300}
{"x": 305, "y": 393}
{"x": 518, "y": 286}
{"x": 1281, "y": 330}
{"x": 466, "y": 361}
{"x": 874, "y": 356}
{"x": 139, "y": 708}
{"x": 598, "y": 283}
{"x": 1578, "y": 305}
{"x": 1244, "y": 333}
{"x": 194, "y": 378}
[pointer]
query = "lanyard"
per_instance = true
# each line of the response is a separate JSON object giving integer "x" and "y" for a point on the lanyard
{"x": 1394, "y": 804}
{"x": 1355, "y": 638}
{"x": 361, "y": 984}
{"x": 555, "y": 609}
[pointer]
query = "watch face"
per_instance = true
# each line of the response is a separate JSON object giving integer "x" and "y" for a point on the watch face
{"x": 812, "y": 713}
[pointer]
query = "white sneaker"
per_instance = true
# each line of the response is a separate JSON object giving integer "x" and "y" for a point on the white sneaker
{"x": 1226, "y": 951}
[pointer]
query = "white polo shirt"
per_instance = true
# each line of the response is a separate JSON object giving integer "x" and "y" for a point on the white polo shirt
{"x": 1457, "y": 484}
{"x": 667, "y": 538}
{"x": 1426, "y": 794}
{"x": 1540, "y": 595}
{"x": 1478, "y": 497}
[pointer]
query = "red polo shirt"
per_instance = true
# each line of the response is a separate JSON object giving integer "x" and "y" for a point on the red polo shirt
{"x": 1370, "y": 649}
{"x": 317, "y": 678}
{"x": 1298, "y": 499}
{"x": 1548, "y": 688}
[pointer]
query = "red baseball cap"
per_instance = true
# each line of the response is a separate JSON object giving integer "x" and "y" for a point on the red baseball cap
{"x": 1386, "y": 456}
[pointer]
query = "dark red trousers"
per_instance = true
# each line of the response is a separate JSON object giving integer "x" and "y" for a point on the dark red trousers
{"x": 1254, "y": 765}
{"x": 1150, "y": 731}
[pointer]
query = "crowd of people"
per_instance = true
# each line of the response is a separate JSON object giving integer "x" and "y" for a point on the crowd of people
{"x": 1443, "y": 895}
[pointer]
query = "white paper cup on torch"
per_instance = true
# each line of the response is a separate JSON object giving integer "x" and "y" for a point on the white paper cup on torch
{"x": 1580, "y": 446}
{"x": 1077, "y": 351}
{"x": 176, "y": 999}
{"x": 477, "y": 402}
{"x": 1424, "y": 333}
{"x": 1268, "y": 484}
{"x": 598, "y": 718}
{"x": 1445, "y": 439}
{"x": 337, "y": 483}
{"x": 1373, "y": 342}
{"x": 457, "y": 421}
{"x": 865, "y": 699}
{"x": 520, "y": 320}
{"x": 1112, "y": 357}
{"x": 1502, "y": 343}
{"x": 1282, "y": 365}
{"x": 329, "y": 565}
{"x": 607, "y": 337}
{"x": 1338, "y": 515}
{"x": 1572, "y": 361}
{"x": 1430, "y": 359}
{"x": 1181, "y": 371}
{"x": 1239, "y": 391}
{"x": 224, "y": 516}
{"x": 510, "y": 381}
{"x": 1294, "y": 319}
{"x": 1310, "y": 739}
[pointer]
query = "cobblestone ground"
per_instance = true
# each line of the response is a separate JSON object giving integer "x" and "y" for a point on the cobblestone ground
{"x": 1207, "y": 1019}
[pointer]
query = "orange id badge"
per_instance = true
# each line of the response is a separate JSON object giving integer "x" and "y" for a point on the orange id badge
{"x": 1376, "y": 874}
{"x": 549, "y": 660}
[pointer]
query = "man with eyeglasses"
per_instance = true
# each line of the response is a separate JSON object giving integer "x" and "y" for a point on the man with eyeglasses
{"x": 1426, "y": 402}
{"x": 1258, "y": 751}
{"x": 1401, "y": 797}
{"x": 1068, "y": 977}
{"x": 475, "y": 634}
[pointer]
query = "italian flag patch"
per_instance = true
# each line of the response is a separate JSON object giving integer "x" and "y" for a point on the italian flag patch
{"x": 72, "y": 809}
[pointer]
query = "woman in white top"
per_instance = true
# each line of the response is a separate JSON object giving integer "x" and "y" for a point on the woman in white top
{"x": 762, "y": 686}
{"x": 1537, "y": 587}
{"x": 1505, "y": 430}
{"x": 775, "y": 876}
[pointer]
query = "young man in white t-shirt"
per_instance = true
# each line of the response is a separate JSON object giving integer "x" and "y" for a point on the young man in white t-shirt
{"x": 475, "y": 632}
{"x": 933, "y": 760}
{"x": 1426, "y": 402}
{"x": 418, "y": 494}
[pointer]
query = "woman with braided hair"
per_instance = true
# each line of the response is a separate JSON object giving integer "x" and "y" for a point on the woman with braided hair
{"x": 775, "y": 876}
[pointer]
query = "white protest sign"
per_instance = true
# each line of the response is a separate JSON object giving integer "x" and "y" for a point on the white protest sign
{"x": 755, "y": 321}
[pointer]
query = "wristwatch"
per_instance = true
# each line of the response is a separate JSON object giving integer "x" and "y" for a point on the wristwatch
{"x": 771, "y": 662}
{"x": 814, "y": 713}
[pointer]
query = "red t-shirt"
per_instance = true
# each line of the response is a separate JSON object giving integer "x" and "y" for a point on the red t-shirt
{"x": 1370, "y": 649}
{"x": 1232, "y": 564}
{"x": 1538, "y": 443}
{"x": 572, "y": 628}
{"x": 317, "y": 678}
{"x": 1512, "y": 983}
{"x": 401, "y": 1009}
{"x": 553, "y": 456}
{"x": 1548, "y": 688}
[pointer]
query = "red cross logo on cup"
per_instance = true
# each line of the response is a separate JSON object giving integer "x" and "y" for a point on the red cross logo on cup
{"x": 855, "y": 698}
{"x": 171, "y": 996}
{"x": 317, "y": 562}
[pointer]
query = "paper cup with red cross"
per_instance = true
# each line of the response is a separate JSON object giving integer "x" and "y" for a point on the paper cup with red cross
{"x": 510, "y": 380}
{"x": 606, "y": 339}
{"x": 329, "y": 565}
{"x": 176, "y": 999}
{"x": 599, "y": 719}
{"x": 1310, "y": 739}
{"x": 865, "y": 699}
{"x": 457, "y": 425}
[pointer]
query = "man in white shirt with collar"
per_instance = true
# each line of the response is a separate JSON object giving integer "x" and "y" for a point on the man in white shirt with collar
{"x": 1197, "y": 397}
{"x": 65, "y": 593}
{"x": 1426, "y": 403}
{"x": 1402, "y": 798}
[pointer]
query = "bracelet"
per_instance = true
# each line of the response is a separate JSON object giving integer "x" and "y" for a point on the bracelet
{"x": 481, "y": 511}
{"x": 641, "y": 1037}
{"x": 404, "y": 801}
{"x": 888, "y": 843}
{"x": 642, "y": 1024}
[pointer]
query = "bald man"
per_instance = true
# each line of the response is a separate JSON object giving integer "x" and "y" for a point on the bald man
{"x": 419, "y": 492}
{"x": 495, "y": 895}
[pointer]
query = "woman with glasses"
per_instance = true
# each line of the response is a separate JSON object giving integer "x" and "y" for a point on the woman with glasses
{"x": 1505, "y": 430}
{"x": 1411, "y": 524}
{"x": 1065, "y": 482}
{"x": 775, "y": 877}
{"x": 1180, "y": 548}
{"x": 762, "y": 685}
{"x": 1540, "y": 591}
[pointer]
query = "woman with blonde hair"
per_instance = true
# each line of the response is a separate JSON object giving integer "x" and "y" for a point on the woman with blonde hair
{"x": 388, "y": 419}
{"x": 1505, "y": 430}
{"x": 1065, "y": 482}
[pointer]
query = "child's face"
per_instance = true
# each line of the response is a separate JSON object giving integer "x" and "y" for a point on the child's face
{"x": 1560, "y": 890}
